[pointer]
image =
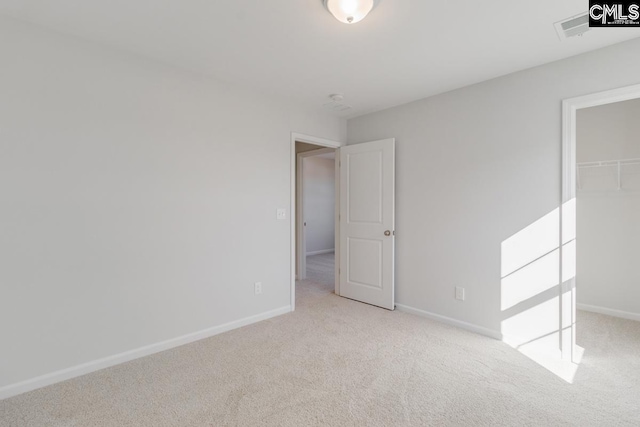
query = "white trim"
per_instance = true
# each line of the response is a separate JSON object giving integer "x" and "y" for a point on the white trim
{"x": 106, "y": 362}
{"x": 298, "y": 137}
{"x": 569, "y": 185}
{"x": 609, "y": 312}
{"x": 301, "y": 236}
{"x": 336, "y": 238}
{"x": 317, "y": 152}
{"x": 322, "y": 252}
{"x": 453, "y": 322}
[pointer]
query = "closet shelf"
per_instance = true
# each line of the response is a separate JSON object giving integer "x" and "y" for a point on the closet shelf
{"x": 617, "y": 164}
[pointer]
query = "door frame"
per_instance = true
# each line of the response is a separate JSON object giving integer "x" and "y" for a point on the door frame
{"x": 570, "y": 108}
{"x": 323, "y": 142}
{"x": 301, "y": 237}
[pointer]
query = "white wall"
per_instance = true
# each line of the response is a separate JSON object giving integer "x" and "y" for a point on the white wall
{"x": 475, "y": 167}
{"x": 319, "y": 203}
{"x": 608, "y": 246}
{"x": 137, "y": 201}
{"x": 608, "y": 132}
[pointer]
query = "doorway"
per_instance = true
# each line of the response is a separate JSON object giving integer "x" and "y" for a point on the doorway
{"x": 364, "y": 221}
{"x": 301, "y": 144}
{"x": 584, "y": 167}
{"x": 607, "y": 212}
{"x": 315, "y": 218}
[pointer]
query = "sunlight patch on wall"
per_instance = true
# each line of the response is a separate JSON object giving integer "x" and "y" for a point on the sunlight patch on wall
{"x": 531, "y": 243}
{"x": 537, "y": 291}
{"x": 531, "y": 280}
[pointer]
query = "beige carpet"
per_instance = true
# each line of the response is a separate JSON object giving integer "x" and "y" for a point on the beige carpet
{"x": 338, "y": 362}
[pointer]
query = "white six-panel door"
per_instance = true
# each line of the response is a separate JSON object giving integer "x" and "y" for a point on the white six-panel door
{"x": 367, "y": 222}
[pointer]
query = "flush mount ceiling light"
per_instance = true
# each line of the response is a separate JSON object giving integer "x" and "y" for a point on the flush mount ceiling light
{"x": 350, "y": 11}
{"x": 336, "y": 103}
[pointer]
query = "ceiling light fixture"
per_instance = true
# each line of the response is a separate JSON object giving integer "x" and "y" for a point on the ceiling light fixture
{"x": 350, "y": 11}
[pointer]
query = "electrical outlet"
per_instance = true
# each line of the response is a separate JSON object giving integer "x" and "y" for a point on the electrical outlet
{"x": 281, "y": 214}
{"x": 460, "y": 294}
{"x": 258, "y": 288}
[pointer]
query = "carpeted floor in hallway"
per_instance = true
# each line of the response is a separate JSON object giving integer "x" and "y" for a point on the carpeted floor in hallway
{"x": 336, "y": 362}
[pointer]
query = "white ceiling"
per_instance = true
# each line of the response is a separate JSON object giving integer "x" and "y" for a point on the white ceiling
{"x": 403, "y": 51}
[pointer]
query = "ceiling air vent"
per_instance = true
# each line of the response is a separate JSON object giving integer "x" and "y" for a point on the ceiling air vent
{"x": 574, "y": 26}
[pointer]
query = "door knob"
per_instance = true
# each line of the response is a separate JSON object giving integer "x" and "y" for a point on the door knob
{"x": 387, "y": 233}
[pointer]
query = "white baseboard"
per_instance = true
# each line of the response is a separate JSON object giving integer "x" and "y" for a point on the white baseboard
{"x": 609, "y": 312}
{"x": 448, "y": 320}
{"x": 324, "y": 251}
{"x": 96, "y": 365}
